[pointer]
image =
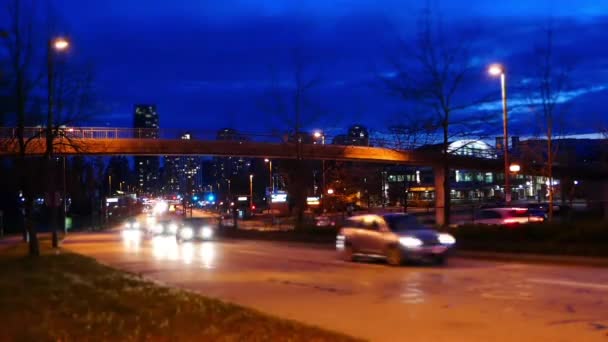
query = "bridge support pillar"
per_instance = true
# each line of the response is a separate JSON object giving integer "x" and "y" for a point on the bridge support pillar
{"x": 439, "y": 195}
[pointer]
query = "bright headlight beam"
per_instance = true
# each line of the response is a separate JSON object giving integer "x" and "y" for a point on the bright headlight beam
{"x": 173, "y": 228}
{"x": 410, "y": 242}
{"x": 446, "y": 239}
{"x": 186, "y": 233}
{"x": 206, "y": 233}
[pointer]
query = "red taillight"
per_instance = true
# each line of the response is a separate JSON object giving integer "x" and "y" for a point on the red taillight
{"x": 253, "y": 207}
{"x": 510, "y": 221}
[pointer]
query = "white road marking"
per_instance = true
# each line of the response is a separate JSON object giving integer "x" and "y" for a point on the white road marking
{"x": 569, "y": 283}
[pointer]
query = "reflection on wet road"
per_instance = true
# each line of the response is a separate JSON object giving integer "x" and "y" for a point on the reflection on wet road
{"x": 467, "y": 300}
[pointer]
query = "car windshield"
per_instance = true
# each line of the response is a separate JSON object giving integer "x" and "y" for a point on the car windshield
{"x": 400, "y": 223}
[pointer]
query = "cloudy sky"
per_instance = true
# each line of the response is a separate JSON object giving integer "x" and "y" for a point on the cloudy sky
{"x": 210, "y": 64}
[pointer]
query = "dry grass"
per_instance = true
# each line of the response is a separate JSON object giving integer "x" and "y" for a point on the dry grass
{"x": 61, "y": 296}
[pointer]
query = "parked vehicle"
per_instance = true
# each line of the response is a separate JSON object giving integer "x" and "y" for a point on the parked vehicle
{"x": 395, "y": 237}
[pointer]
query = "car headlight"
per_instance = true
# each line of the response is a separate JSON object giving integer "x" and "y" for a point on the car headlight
{"x": 186, "y": 233}
{"x": 206, "y": 233}
{"x": 131, "y": 234}
{"x": 446, "y": 239}
{"x": 410, "y": 242}
{"x": 158, "y": 229}
{"x": 135, "y": 225}
{"x": 128, "y": 225}
{"x": 173, "y": 228}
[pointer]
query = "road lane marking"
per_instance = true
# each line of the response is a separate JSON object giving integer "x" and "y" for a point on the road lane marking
{"x": 568, "y": 283}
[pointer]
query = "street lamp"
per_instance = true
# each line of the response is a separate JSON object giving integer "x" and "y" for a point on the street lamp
{"x": 251, "y": 191}
{"x": 514, "y": 168}
{"x": 270, "y": 183}
{"x": 55, "y": 46}
{"x": 319, "y": 134}
{"x": 499, "y": 70}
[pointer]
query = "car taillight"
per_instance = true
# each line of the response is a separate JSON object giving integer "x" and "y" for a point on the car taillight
{"x": 536, "y": 219}
{"x": 510, "y": 221}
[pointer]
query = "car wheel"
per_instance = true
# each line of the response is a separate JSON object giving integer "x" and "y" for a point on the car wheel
{"x": 394, "y": 257}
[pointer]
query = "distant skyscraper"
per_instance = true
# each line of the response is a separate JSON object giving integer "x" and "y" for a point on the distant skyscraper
{"x": 183, "y": 174}
{"x": 145, "y": 122}
{"x": 230, "y": 174}
{"x": 358, "y": 135}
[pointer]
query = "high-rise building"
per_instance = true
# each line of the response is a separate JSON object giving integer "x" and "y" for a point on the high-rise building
{"x": 145, "y": 123}
{"x": 358, "y": 135}
{"x": 183, "y": 174}
{"x": 230, "y": 174}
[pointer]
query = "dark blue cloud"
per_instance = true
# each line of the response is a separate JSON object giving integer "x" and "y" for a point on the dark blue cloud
{"x": 209, "y": 63}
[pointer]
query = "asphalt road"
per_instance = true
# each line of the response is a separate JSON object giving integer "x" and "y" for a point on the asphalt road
{"x": 467, "y": 300}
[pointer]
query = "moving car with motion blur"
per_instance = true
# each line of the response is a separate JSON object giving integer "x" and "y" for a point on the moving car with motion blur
{"x": 197, "y": 228}
{"x": 508, "y": 216}
{"x": 132, "y": 230}
{"x": 395, "y": 237}
{"x": 165, "y": 228}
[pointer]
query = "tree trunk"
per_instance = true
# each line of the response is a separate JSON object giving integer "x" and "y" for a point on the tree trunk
{"x": 446, "y": 178}
{"x": 51, "y": 198}
{"x": 550, "y": 173}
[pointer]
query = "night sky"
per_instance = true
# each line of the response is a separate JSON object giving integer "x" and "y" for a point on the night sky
{"x": 210, "y": 64}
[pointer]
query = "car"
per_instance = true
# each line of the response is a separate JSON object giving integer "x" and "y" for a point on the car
{"x": 324, "y": 221}
{"x": 396, "y": 237}
{"x": 508, "y": 216}
{"x": 132, "y": 230}
{"x": 197, "y": 228}
{"x": 165, "y": 228}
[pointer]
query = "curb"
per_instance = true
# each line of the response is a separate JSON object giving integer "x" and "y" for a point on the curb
{"x": 534, "y": 258}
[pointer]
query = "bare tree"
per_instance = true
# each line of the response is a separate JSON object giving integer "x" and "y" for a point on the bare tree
{"x": 26, "y": 40}
{"x": 290, "y": 100}
{"x": 433, "y": 72}
{"x": 550, "y": 84}
{"x": 20, "y": 41}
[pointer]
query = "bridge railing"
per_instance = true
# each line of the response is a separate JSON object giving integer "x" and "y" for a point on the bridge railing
{"x": 379, "y": 140}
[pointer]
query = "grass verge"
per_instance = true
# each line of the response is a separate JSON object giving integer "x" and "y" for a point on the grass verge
{"x": 579, "y": 238}
{"x": 61, "y": 296}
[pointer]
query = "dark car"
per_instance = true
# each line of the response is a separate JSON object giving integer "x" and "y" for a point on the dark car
{"x": 394, "y": 237}
{"x": 197, "y": 228}
{"x": 165, "y": 228}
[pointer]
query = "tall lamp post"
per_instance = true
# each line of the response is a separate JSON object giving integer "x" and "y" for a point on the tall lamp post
{"x": 251, "y": 191}
{"x": 270, "y": 182}
{"x": 499, "y": 70}
{"x": 319, "y": 134}
{"x": 55, "y": 46}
